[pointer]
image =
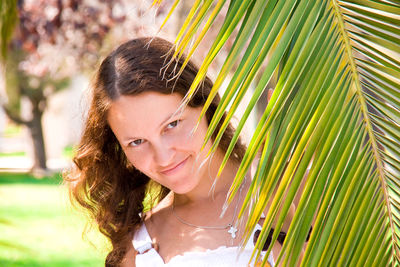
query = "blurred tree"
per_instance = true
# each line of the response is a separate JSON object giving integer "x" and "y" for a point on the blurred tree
{"x": 8, "y": 18}
{"x": 53, "y": 40}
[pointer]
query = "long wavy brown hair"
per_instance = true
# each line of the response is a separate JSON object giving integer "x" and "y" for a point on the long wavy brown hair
{"x": 103, "y": 181}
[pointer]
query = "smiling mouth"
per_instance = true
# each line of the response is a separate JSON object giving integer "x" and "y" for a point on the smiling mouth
{"x": 175, "y": 169}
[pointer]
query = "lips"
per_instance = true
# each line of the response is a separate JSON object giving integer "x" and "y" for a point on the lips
{"x": 171, "y": 171}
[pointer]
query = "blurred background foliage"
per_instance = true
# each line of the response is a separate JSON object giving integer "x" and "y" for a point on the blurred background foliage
{"x": 52, "y": 41}
{"x": 8, "y": 18}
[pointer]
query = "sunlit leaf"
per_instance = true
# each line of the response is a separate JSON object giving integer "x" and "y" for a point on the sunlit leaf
{"x": 334, "y": 114}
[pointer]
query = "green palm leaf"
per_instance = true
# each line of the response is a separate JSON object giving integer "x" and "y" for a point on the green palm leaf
{"x": 334, "y": 114}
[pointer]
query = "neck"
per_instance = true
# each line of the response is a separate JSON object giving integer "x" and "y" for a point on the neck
{"x": 210, "y": 206}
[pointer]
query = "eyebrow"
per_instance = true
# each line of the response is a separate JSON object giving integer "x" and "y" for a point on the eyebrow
{"x": 168, "y": 118}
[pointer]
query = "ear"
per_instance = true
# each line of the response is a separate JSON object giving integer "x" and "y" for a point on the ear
{"x": 269, "y": 94}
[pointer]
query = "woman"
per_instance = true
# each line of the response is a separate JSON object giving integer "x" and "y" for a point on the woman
{"x": 138, "y": 151}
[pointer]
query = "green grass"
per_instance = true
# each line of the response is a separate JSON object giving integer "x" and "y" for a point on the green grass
{"x": 39, "y": 228}
{"x": 69, "y": 152}
{"x": 12, "y": 130}
{"x": 13, "y": 154}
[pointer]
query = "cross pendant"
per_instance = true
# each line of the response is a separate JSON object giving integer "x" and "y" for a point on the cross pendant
{"x": 232, "y": 230}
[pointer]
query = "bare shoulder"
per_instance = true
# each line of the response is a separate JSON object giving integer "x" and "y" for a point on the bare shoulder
{"x": 163, "y": 204}
{"x": 159, "y": 211}
{"x": 129, "y": 259}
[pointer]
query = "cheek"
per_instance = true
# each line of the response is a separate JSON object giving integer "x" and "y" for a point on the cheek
{"x": 200, "y": 134}
{"x": 140, "y": 161}
{"x": 189, "y": 140}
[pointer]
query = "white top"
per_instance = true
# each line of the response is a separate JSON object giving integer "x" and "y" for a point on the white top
{"x": 223, "y": 256}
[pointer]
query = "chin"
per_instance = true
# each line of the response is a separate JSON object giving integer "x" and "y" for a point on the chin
{"x": 183, "y": 188}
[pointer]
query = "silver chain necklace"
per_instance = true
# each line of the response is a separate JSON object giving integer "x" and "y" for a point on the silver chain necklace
{"x": 232, "y": 229}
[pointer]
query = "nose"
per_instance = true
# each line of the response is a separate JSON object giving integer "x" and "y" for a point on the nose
{"x": 163, "y": 153}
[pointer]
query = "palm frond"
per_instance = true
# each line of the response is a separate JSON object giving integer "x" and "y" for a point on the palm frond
{"x": 334, "y": 114}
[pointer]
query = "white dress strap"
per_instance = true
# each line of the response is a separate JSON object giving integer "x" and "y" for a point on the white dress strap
{"x": 147, "y": 255}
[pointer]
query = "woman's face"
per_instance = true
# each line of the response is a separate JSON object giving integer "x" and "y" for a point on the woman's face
{"x": 158, "y": 140}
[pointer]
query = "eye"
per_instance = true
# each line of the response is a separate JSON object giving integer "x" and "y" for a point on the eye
{"x": 136, "y": 142}
{"x": 173, "y": 124}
